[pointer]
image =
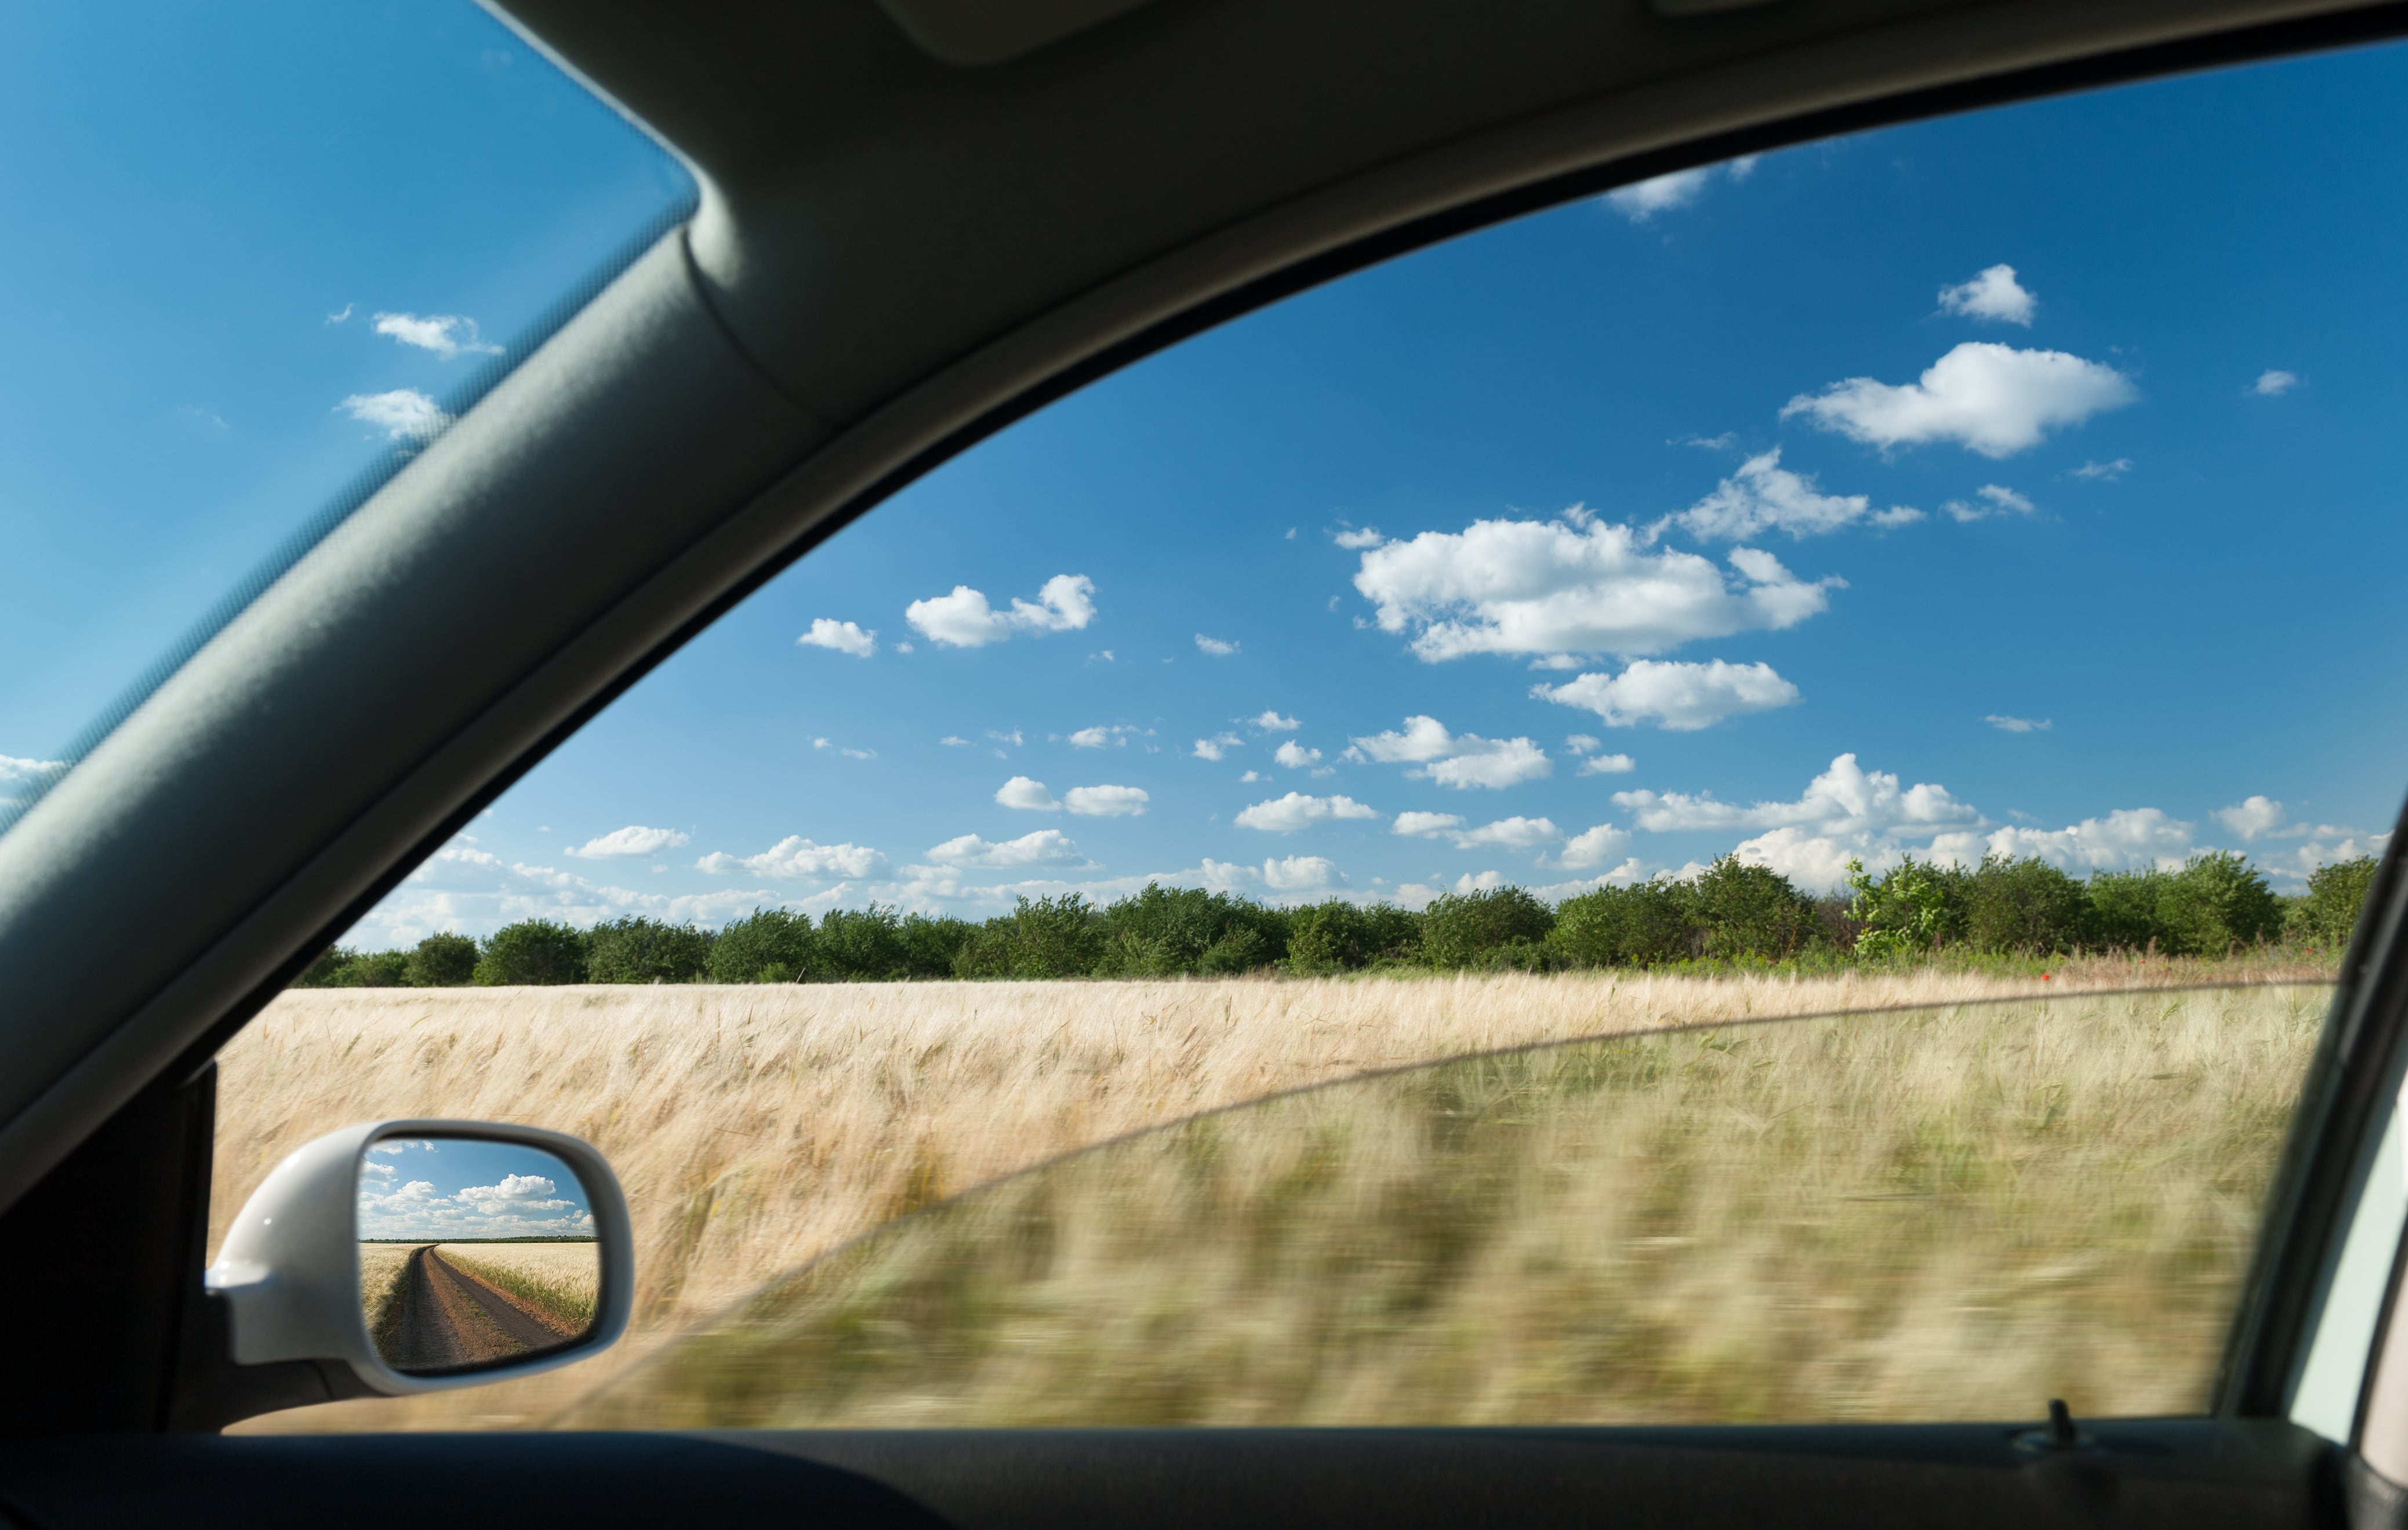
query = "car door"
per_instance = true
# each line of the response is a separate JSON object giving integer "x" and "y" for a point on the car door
{"x": 733, "y": 397}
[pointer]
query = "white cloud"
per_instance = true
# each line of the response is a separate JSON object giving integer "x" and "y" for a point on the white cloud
{"x": 1299, "y": 873}
{"x": 2005, "y": 724}
{"x": 2252, "y": 817}
{"x": 1991, "y": 398}
{"x": 1026, "y": 795}
{"x": 1607, "y": 765}
{"x": 2273, "y": 383}
{"x": 1762, "y": 496}
{"x": 1426, "y": 825}
{"x": 2107, "y": 471}
{"x": 634, "y": 840}
{"x": 1575, "y": 584}
{"x": 1994, "y": 294}
{"x": 1845, "y": 799}
{"x": 1678, "y": 696}
{"x": 447, "y": 335}
{"x": 1642, "y": 200}
{"x": 1295, "y": 811}
{"x": 402, "y": 414}
{"x": 1356, "y": 538}
{"x": 1214, "y": 646}
{"x": 1106, "y": 801}
{"x": 796, "y": 855}
{"x": 843, "y": 637}
{"x": 1271, "y": 722}
{"x": 1593, "y": 846}
{"x": 1997, "y": 500}
{"x": 2126, "y": 838}
{"x": 1295, "y": 756}
{"x": 1045, "y": 848}
{"x": 965, "y": 620}
{"x": 1217, "y": 747}
{"x": 1458, "y": 760}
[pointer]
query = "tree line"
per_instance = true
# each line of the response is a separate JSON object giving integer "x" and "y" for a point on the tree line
{"x": 1728, "y": 913}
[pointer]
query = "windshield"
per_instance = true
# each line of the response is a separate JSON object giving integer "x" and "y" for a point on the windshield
{"x": 260, "y": 253}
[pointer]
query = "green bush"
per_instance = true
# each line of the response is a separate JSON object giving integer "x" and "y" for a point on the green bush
{"x": 2328, "y": 917}
{"x": 531, "y": 953}
{"x": 766, "y": 946}
{"x": 1752, "y": 910}
{"x": 1640, "y": 926}
{"x": 441, "y": 961}
{"x": 1501, "y": 927}
{"x": 2025, "y": 905}
{"x": 639, "y": 950}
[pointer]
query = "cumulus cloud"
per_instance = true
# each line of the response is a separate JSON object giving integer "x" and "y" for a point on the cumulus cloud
{"x": 1987, "y": 397}
{"x": 843, "y": 637}
{"x": 2273, "y": 383}
{"x": 796, "y": 855}
{"x": 1026, "y": 795}
{"x": 1459, "y": 761}
{"x": 634, "y": 840}
{"x": 1044, "y": 847}
{"x": 2005, "y": 724}
{"x": 1105, "y": 802}
{"x": 1593, "y": 846}
{"x": 1299, "y": 873}
{"x": 1994, "y": 294}
{"x": 1845, "y": 799}
{"x": 1678, "y": 696}
{"x": 447, "y": 335}
{"x": 1575, "y": 584}
{"x": 1644, "y": 200}
{"x": 1763, "y": 495}
{"x": 1997, "y": 500}
{"x": 1295, "y": 756}
{"x": 1217, "y": 747}
{"x": 402, "y": 414}
{"x": 1295, "y": 811}
{"x": 965, "y": 620}
{"x": 1214, "y": 646}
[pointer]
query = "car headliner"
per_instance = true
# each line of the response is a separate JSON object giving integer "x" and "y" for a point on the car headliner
{"x": 894, "y": 255}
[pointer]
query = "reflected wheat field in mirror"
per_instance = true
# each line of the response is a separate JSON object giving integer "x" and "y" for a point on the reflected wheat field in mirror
{"x": 757, "y": 1129}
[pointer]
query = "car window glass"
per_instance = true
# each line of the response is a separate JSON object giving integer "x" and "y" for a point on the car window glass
{"x": 1915, "y": 573}
{"x": 262, "y": 253}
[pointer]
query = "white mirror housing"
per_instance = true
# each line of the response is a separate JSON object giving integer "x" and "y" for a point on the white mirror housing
{"x": 288, "y": 1271}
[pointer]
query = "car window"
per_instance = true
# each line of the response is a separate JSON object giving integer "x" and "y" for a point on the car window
{"x": 1917, "y": 580}
{"x": 263, "y": 254}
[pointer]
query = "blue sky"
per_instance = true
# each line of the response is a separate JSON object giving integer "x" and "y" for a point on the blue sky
{"x": 449, "y": 1188}
{"x": 2017, "y": 482}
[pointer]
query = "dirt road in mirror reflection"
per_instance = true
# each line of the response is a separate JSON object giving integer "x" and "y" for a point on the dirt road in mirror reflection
{"x": 450, "y": 1318}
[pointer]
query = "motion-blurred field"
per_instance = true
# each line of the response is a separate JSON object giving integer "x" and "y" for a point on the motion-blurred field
{"x": 756, "y": 1128}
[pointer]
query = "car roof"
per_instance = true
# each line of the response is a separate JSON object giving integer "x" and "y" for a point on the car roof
{"x": 919, "y": 220}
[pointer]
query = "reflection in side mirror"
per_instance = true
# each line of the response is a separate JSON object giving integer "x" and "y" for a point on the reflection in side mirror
{"x": 473, "y": 1253}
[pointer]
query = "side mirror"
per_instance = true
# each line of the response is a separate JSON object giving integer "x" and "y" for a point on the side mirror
{"x": 420, "y": 1255}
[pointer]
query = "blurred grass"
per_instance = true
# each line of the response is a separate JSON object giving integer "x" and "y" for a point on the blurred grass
{"x": 1955, "y": 1212}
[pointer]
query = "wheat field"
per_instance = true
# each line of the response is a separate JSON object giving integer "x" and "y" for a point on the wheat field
{"x": 757, "y": 1128}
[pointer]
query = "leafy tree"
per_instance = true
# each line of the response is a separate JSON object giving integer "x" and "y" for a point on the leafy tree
{"x": 1500, "y": 926}
{"x": 2025, "y": 905}
{"x": 441, "y": 961}
{"x": 639, "y": 950}
{"x": 2327, "y": 916}
{"x": 1915, "y": 906}
{"x": 531, "y": 953}
{"x": 766, "y": 946}
{"x": 1639, "y": 926}
{"x": 2216, "y": 901}
{"x": 1752, "y": 910}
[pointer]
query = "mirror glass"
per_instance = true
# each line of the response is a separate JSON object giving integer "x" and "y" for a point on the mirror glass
{"x": 473, "y": 1252}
